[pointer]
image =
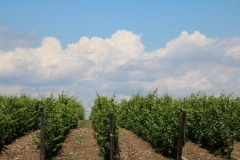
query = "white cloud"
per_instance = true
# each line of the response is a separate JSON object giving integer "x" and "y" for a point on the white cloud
{"x": 234, "y": 52}
{"x": 192, "y": 79}
{"x": 185, "y": 45}
{"x": 188, "y": 63}
{"x": 42, "y": 64}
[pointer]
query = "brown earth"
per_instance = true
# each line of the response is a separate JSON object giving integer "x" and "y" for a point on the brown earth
{"x": 193, "y": 151}
{"x": 236, "y": 151}
{"x": 134, "y": 148}
{"x": 22, "y": 148}
{"x": 80, "y": 144}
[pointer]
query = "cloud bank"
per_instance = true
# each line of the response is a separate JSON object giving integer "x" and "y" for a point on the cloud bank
{"x": 187, "y": 64}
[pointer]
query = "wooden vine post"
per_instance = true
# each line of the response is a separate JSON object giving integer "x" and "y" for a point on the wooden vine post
{"x": 181, "y": 137}
{"x": 111, "y": 134}
{"x": 42, "y": 132}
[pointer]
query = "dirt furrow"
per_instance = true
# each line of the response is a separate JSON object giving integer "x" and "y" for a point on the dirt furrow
{"x": 134, "y": 148}
{"x": 23, "y": 148}
{"x": 80, "y": 144}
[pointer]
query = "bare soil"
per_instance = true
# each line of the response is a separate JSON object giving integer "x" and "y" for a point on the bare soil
{"x": 134, "y": 148}
{"x": 236, "y": 151}
{"x": 80, "y": 144}
{"x": 193, "y": 151}
{"x": 22, "y": 148}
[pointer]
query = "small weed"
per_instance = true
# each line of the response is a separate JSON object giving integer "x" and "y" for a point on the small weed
{"x": 36, "y": 139}
{"x": 69, "y": 158}
{"x": 83, "y": 123}
{"x": 81, "y": 138}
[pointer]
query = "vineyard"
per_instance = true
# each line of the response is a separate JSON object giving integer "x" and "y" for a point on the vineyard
{"x": 212, "y": 122}
{"x": 20, "y": 115}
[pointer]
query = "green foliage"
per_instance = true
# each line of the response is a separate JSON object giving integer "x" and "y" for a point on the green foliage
{"x": 18, "y": 116}
{"x": 61, "y": 115}
{"x": 213, "y": 121}
{"x": 154, "y": 119}
{"x": 234, "y": 114}
{"x": 100, "y": 122}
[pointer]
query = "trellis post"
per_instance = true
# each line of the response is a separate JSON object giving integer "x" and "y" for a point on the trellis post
{"x": 181, "y": 137}
{"x": 42, "y": 133}
{"x": 111, "y": 134}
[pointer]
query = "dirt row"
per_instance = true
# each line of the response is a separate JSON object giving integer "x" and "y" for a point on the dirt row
{"x": 80, "y": 144}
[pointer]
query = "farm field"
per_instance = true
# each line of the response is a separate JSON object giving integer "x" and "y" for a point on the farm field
{"x": 119, "y": 80}
{"x": 80, "y": 144}
{"x": 20, "y": 115}
{"x": 212, "y": 122}
{"x": 144, "y": 127}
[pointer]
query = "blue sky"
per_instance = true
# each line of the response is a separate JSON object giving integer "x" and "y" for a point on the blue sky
{"x": 157, "y": 21}
{"x": 119, "y": 47}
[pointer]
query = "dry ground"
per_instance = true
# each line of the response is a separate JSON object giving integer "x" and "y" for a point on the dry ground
{"x": 80, "y": 144}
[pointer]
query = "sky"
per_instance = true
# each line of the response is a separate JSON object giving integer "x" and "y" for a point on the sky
{"x": 119, "y": 47}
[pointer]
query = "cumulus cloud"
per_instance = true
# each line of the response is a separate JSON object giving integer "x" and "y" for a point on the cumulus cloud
{"x": 234, "y": 52}
{"x": 188, "y": 63}
{"x": 193, "y": 79}
{"x": 185, "y": 45}
{"x": 45, "y": 63}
